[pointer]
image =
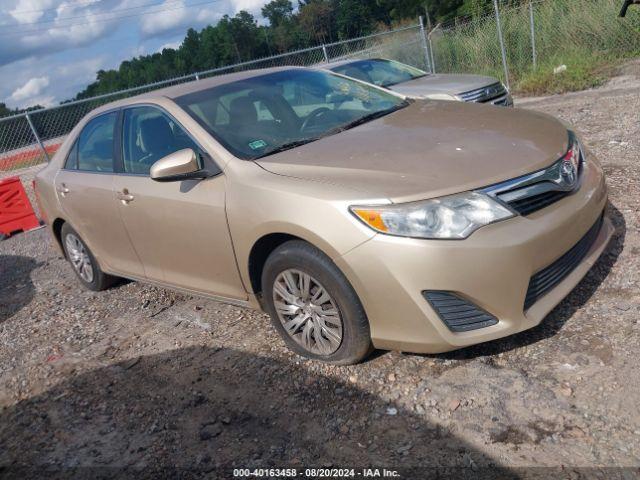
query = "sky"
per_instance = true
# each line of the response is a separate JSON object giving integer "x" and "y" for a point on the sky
{"x": 51, "y": 49}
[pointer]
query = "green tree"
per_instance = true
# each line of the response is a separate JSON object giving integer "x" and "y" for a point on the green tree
{"x": 278, "y": 12}
{"x": 283, "y": 32}
{"x": 355, "y": 18}
{"x": 4, "y": 111}
{"x": 316, "y": 19}
{"x": 188, "y": 53}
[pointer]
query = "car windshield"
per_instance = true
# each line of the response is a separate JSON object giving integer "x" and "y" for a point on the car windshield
{"x": 383, "y": 73}
{"x": 270, "y": 113}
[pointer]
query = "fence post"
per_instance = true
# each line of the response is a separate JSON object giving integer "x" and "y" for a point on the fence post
{"x": 433, "y": 60}
{"x": 324, "y": 52}
{"x": 423, "y": 35}
{"x": 430, "y": 31}
{"x": 533, "y": 36}
{"x": 35, "y": 134}
{"x": 502, "y": 47}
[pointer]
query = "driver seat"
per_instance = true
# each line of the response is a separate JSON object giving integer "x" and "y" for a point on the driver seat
{"x": 242, "y": 113}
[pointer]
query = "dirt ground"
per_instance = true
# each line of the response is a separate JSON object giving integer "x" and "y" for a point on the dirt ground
{"x": 143, "y": 382}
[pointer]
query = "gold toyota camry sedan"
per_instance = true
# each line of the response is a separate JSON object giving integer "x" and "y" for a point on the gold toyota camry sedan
{"x": 355, "y": 217}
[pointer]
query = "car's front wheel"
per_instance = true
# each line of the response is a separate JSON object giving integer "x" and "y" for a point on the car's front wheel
{"x": 83, "y": 262}
{"x": 313, "y": 306}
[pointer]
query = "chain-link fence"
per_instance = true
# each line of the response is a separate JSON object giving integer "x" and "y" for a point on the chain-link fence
{"x": 29, "y": 140}
{"x": 512, "y": 41}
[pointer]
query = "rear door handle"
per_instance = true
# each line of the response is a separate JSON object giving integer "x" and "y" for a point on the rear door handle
{"x": 125, "y": 196}
{"x": 63, "y": 190}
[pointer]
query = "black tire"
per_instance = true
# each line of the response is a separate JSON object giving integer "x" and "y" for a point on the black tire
{"x": 299, "y": 255}
{"x": 100, "y": 281}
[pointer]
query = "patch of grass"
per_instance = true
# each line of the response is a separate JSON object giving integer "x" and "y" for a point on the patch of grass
{"x": 586, "y": 35}
{"x": 583, "y": 71}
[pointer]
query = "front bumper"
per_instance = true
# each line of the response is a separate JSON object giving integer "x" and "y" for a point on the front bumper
{"x": 492, "y": 269}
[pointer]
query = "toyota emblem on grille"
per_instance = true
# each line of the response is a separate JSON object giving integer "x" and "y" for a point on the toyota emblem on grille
{"x": 568, "y": 173}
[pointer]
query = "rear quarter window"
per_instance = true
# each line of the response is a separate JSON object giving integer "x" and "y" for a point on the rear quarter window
{"x": 71, "y": 163}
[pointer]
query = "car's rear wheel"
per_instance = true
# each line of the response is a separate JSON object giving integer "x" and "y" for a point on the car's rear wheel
{"x": 83, "y": 262}
{"x": 313, "y": 306}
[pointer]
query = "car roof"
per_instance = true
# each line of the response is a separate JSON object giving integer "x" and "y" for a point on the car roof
{"x": 176, "y": 91}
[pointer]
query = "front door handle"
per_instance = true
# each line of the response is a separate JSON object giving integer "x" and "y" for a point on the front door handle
{"x": 125, "y": 196}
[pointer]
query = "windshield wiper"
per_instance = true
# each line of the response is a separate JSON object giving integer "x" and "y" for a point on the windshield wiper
{"x": 369, "y": 117}
{"x": 391, "y": 84}
{"x": 287, "y": 146}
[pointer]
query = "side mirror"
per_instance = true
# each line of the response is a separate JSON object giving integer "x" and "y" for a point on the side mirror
{"x": 181, "y": 165}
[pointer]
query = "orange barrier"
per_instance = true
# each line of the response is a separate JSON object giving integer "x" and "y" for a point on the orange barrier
{"x": 16, "y": 212}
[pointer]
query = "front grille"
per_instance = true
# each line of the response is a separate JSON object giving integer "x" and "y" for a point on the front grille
{"x": 458, "y": 314}
{"x": 485, "y": 94}
{"x": 530, "y": 193}
{"x": 547, "y": 279}
{"x": 526, "y": 206}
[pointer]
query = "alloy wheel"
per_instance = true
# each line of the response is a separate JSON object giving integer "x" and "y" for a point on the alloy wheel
{"x": 79, "y": 257}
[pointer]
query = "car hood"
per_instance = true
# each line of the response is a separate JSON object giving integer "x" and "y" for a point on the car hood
{"x": 428, "y": 149}
{"x": 448, "y": 84}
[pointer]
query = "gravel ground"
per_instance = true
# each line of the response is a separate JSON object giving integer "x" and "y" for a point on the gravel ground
{"x": 144, "y": 381}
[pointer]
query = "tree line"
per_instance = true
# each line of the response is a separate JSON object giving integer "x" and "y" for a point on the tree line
{"x": 6, "y": 111}
{"x": 240, "y": 38}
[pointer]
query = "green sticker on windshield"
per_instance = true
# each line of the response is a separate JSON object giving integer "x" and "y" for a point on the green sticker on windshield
{"x": 257, "y": 144}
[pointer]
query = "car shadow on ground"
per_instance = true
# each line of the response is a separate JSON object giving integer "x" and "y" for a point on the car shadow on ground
{"x": 16, "y": 288}
{"x": 200, "y": 412}
{"x": 557, "y": 318}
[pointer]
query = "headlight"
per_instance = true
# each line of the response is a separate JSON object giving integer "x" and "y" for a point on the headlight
{"x": 573, "y": 155}
{"x": 452, "y": 217}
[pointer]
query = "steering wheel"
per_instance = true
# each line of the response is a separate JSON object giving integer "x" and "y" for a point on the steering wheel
{"x": 313, "y": 116}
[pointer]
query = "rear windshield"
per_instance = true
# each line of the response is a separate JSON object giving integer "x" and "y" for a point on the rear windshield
{"x": 383, "y": 73}
{"x": 263, "y": 115}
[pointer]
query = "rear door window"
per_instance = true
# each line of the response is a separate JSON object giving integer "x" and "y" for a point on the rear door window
{"x": 95, "y": 144}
